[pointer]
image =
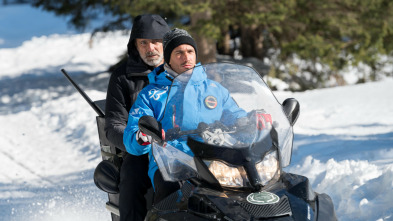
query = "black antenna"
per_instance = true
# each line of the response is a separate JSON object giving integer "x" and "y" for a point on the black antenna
{"x": 84, "y": 95}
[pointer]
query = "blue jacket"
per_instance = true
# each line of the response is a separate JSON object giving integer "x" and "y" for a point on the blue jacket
{"x": 152, "y": 99}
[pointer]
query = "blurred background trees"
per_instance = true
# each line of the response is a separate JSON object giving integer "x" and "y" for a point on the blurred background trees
{"x": 306, "y": 43}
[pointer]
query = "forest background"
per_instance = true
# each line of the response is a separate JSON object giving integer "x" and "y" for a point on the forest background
{"x": 308, "y": 44}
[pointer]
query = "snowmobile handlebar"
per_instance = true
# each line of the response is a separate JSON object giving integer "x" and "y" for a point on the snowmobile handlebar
{"x": 175, "y": 133}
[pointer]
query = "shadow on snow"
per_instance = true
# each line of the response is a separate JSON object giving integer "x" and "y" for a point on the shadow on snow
{"x": 27, "y": 90}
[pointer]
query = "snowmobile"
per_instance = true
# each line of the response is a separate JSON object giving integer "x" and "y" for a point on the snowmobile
{"x": 230, "y": 169}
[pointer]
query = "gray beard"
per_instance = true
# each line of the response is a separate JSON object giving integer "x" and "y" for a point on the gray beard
{"x": 154, "y": 62}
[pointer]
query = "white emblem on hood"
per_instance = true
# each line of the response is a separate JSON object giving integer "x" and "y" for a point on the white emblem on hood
{"x": 263, "y": 198}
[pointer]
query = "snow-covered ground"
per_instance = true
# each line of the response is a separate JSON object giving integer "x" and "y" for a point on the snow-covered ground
{"x": 49, "y": 144}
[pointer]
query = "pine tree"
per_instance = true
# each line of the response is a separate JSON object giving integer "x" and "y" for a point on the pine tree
{"x": 328, "y": 35}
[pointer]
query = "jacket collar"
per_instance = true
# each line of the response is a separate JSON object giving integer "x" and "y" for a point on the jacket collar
{"x": 160, "y": 76}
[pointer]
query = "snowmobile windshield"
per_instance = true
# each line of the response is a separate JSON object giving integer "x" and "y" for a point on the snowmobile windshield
{"x": 225, "y": 106}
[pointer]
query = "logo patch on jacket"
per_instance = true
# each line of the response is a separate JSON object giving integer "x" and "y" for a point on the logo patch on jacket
{"x": 211, "y": 102}
{"x": 156, "y": 93}
{"x": 213, "y": 85}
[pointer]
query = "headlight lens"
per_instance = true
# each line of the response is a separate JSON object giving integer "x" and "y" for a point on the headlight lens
{"x": 268, "y": 167}
{"x": 226, "y": 175}
{"x": 236, "y": 176}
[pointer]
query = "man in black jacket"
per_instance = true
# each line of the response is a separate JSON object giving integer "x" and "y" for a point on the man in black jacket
{"x": 145, "y": 52}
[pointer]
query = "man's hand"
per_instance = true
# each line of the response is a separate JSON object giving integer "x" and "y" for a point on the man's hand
{"x": 258, "y": 118}
{"x": 143, "y": 139}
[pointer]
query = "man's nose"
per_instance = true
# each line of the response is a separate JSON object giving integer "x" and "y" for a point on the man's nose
{"x": 150, "y": 46}
{"x": 186, "y": 57}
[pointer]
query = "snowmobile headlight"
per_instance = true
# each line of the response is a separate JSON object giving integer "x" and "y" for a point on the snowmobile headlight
{"x": 226, "y": 175}
{"x": 268, "y": 167}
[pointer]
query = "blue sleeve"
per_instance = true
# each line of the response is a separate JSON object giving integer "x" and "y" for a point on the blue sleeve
{"x": 140, "y": 108}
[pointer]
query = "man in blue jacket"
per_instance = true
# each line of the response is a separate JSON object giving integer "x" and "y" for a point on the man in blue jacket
{"x": 180, "y": 53}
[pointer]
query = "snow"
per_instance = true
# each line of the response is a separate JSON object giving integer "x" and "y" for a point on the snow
{"x": 49, "y": 145}
{"x": 343, "y": 144}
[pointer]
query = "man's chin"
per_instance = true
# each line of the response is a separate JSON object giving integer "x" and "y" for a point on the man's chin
{"x": 185, "y": 70}
{"x": 153, "y": 62}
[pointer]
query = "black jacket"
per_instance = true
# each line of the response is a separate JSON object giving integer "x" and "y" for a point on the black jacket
{"x": 129, "y": 78}
{"x": 123, "y": 89}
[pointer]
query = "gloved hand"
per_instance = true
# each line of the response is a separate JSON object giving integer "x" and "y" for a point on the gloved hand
{"x": 242, "y": 122}
{"x": 219, "y": 124}
{"x": 262, "y": 119}
{"x": 256, "y": 118}
{"x": 143, "y": 139}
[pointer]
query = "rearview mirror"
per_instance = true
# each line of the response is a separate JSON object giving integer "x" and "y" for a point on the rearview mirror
{"x": 292, "y": 109}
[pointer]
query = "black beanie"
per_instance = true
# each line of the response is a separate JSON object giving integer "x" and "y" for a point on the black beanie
{"x": 174, "y": 38}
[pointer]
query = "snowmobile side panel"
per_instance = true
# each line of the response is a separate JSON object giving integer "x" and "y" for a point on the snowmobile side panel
{"x": 111, "y": 154}
{"x": 108, "y": 151}
{"x": 326, "y": 210}
{"x": 100, "y": 104}
{"x": 299, "y": 186}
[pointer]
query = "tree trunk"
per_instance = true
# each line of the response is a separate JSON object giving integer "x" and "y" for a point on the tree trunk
{"x": 223, "y": 46}
{"x": 206, "y": 46}
{"x": 252, "y": 41}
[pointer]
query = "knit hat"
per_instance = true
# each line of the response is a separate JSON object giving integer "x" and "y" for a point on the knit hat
{"x": 174, "y": 38}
